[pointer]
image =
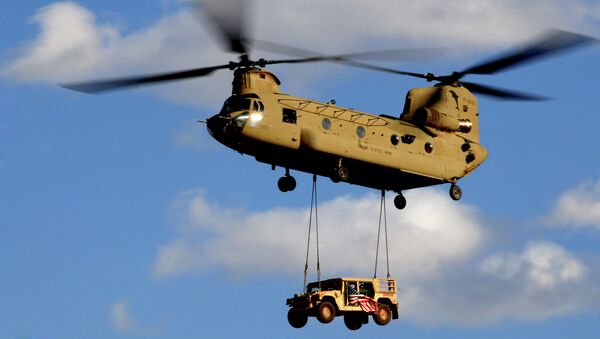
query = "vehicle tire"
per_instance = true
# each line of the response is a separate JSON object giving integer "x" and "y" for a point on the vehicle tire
{"x": 455, "y": 192}
{"x": 297, "y": 319}
{"x": 352, "y": 321}
{"x": 400, "y": 201}
{"x": 326, "y": 312}
{"x": 383, "y": 315}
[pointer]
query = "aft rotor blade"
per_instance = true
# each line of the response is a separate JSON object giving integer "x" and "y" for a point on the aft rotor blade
{"x": 553, "y": 42}
{"x": 229, "y": 17}
{"x": 501, "y": 93}
{"x": 112, "y": 84}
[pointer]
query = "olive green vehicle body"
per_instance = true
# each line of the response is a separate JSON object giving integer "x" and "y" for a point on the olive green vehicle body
{"x": 435, "y": 140}
{"x": 335, "y": 291}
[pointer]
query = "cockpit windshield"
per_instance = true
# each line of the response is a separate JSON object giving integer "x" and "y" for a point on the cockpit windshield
{"x": 234, "y": 104}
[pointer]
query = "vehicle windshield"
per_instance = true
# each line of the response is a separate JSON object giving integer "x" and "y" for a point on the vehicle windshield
{"x": 326, "y": 285}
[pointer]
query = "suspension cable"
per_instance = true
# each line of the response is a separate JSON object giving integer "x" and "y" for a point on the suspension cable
{"x": 387, "y": 252}
{"x": 382, "y": 215}
{"x": 313, "y": 204}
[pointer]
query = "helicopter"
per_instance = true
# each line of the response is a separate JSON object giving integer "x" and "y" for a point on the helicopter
{"x": 435, "y": 140}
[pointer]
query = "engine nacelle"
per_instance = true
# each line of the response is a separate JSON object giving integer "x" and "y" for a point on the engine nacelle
{"x": 429, "y": 117}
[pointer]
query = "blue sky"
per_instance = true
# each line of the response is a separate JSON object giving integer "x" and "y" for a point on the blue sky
{"x": 122, "y": 218}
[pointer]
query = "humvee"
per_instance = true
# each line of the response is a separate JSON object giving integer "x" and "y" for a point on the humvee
{"x": 352, "y": 298}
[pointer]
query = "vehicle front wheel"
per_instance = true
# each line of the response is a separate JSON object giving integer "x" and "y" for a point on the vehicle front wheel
{"x": 352, "y": 322}
{"x": 383, "y": 315}
{"x": 297, "y": 319}
{"x": 325, "y": 312}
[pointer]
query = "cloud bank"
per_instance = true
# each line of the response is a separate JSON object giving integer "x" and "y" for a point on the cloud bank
{"x": 73, "y": 44}
{"x": 436, "y": 251}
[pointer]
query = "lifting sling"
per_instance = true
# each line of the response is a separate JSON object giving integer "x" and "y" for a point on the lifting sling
{"x": 313, "y": 205}
{"x": 382, "y": 216}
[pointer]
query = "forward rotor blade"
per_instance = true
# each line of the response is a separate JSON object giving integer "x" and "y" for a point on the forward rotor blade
{"x": 229, "y": 19}
{"x": 406, "y": 54}
{"x": 112, "y": 84}
{"x": 553, "y": 42}
{"x": 342, "y": 60}
{"x": 500, "y": 93}
{"x": 347, "y": 59}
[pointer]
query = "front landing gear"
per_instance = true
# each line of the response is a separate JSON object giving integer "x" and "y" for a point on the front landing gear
{"x": 400, "y": 201}
{"x": 286, "y": 183}
{"x": 455, "y": 192}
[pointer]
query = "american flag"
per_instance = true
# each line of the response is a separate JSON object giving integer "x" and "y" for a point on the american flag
{"x": 354, "y": 298}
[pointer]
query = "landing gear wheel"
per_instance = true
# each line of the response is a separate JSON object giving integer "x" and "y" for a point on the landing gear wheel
{"x": 325, "y": 312}
{"x": 343, "y": 173}
{"x": 297, "y": 319}
{"x": 400, "y": 201}
{"x": 352, "y": 321}
{"x": 383, "y": 315}
{"x": 455, "y": 192}
{"x": 286, "y": 183}
{"x": 340, "y": 174}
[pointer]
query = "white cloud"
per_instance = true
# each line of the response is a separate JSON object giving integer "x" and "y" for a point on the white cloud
{"x": 542, "y": 281}
{"x": 578, "y": 207}
{"x": 121, "y": 319}
{"x": 73, "y": 44}
{"x": 464, "y": 23}
{"x": 542, "y": 265}
{"x": 69, "y": 42}
{"x": 435, "y": 251}
{"x": 345, "y": 222}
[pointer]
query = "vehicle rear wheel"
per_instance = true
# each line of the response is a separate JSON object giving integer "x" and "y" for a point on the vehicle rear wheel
{"x": 383, "y": 315}
{"x": 325, "y": 312}
{"x": 297, "y": 319}
{"x": 352, "y": 321}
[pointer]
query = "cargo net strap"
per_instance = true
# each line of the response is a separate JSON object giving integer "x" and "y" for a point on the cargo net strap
{"x": 313, "y": 206}
{"x": 382, "y": 217}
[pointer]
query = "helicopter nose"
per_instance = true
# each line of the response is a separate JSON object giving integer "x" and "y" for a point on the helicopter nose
{"x": 216, "y": 126}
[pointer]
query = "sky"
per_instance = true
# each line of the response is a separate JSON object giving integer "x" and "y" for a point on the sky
{"x": 122, "y": 218}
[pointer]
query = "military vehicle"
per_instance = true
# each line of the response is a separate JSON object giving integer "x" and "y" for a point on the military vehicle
{"x": 435, "y": 139}
{"x": 352, "y": 298}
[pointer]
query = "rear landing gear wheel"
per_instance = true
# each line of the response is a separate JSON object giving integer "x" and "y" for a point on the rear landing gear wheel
{"x": 286, "y": 183}
{"x": 297, "y": 319}
{"x": 352, "y": 321}
{"x": 455, "y": 192}
{"x": 400, "y": 201}
{"x": 340, "y": 174}
{"x": 343, "y": 173}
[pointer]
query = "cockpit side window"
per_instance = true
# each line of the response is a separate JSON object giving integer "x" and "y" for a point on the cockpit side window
{"x": 289, "y": 116}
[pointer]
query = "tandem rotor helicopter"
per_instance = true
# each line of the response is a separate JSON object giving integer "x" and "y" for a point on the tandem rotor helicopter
{"x": 435, "y": 140}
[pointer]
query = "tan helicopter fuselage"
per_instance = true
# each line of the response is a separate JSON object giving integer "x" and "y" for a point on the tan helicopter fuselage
{"x": 435, "y": 140}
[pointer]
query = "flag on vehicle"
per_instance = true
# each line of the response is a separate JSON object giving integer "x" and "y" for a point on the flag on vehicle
{"x": 367, "y": 304}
